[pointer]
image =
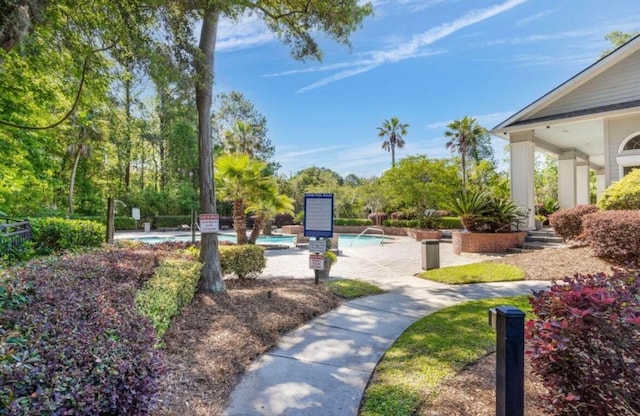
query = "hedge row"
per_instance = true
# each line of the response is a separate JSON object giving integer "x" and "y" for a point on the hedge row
{"x": 352, "y": 221}
{"x": 171, "y": 287}
{"x": 568, "y": 222}
{"x": 57, "y": 234}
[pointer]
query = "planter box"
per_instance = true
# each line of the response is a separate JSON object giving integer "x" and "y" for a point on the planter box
{"x": 486, "y": 242}
{"x": 420, "y": 235}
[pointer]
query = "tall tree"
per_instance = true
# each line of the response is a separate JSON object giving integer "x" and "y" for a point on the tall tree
{"x": 293, "y": 22}
{"x": 463, "y": 137}
{"x": 236, "y": 116}
{"x": 392, "y": 132}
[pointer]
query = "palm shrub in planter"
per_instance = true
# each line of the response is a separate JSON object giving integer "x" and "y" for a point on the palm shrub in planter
{"x": 483, "y": 212}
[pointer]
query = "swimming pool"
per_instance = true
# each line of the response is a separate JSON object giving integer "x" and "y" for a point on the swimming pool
{"x": 344, "y": 241}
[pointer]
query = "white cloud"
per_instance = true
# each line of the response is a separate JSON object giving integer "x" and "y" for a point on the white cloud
{"x": 246, "y": 32}
{"x": 415, "y": 47}
{"x": 532, "y": 18}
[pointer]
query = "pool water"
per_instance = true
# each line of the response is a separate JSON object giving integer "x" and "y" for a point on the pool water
{"x": 345, "y": 240}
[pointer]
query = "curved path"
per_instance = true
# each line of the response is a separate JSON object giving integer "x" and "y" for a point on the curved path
{"x": 323, "y": 367}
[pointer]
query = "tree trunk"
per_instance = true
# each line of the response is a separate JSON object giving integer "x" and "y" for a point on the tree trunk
{"x": 73, "y": 177}
{"x": 210, "y": 276}
{"x": 258, "y": 224}
{"x": 239, "y": 221}
{"x": 393, "y": 155}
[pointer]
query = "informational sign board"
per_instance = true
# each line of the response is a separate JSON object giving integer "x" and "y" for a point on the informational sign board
{"x": 316, "y": 261}
{"x": 209, "y": 223}
{"x": 318, "y": 215}
{"x": 135, "y": 213}
{"x": 317, "y": 246}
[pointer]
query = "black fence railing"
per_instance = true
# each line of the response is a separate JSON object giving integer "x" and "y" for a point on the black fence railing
{"x": 13, "y": 233}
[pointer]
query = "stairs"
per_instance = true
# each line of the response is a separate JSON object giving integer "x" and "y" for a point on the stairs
{"x": 539, "y": 239}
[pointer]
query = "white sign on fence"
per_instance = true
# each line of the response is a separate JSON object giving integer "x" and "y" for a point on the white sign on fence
{"x": 209, "y": 223}
{"x": 316, "y": 261}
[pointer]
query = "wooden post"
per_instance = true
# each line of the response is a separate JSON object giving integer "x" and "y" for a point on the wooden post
{"x": 111, "y": 213}
{"x": 193, "y": 225}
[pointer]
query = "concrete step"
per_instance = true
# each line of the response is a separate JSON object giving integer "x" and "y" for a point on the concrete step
{"x": 543, "y": 239}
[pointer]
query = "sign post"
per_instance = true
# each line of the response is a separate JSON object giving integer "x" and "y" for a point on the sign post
{"x": 318, "y": 223}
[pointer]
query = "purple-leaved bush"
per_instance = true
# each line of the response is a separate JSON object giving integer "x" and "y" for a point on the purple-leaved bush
{"x": 73, "y": 342}
{"x": 585, "y": 344}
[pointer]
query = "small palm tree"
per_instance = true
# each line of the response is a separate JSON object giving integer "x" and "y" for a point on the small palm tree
{"x": 392, "y": 132}
{"x": 464, "y": 135}
{"x": 240, "y": 179}
{"x": 265, "y": 207}
{"x": 472, "y": 208}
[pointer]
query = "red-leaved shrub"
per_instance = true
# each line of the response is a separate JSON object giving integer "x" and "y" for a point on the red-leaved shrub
{"x": 585, "y": 344}
{"x": 568, "y": 222}
{"x": 71, "y": 339}
{"x": 614, "y": 235}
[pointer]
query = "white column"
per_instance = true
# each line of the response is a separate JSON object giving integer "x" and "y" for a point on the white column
{"x": 567, "y": 180}
{"x": 522, "y": 155}
{"x": 601, "y": 184}
{"x": 582, "y": 184}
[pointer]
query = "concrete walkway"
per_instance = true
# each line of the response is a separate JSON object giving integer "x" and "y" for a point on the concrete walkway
{"x": 323, "y": 367}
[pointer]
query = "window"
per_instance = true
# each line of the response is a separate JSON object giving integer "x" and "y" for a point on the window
{"x": 632, "y": 144}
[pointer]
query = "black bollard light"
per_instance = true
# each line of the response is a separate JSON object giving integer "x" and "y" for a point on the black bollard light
{"x": 508, "y": 321}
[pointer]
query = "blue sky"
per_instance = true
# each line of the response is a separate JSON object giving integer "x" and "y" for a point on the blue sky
{"x": 426, "y": 62}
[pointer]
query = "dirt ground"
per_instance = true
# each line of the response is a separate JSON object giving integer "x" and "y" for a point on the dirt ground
{"x": 215, "y": 339}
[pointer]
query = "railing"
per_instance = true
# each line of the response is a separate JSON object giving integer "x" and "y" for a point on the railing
{"x": 14, "y": 232}
{"x": 379, "y": 230}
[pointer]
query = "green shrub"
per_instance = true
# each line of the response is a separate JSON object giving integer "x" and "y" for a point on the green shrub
{"x": 352, "y": 221}
{"x": 244, "y": 261}
{"x": 448, "y": 223}
{"x": 56, "y": 234}
{"x": 624, "y": 194}
{"x": 12, "y": 253}
{"x": 171, "y": 287}
{"x": 120, "y": 223}
{"x": 568, "y": 222}
{"x": 614, "y": 235}
{"x": 404, "y": 223}
{"x": 171, "y": 220}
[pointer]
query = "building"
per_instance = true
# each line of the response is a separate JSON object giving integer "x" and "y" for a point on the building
{"x": 590, "y": 123}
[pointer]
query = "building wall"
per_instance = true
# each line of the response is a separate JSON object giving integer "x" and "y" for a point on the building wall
{"x": 618, "y": 84}
{"x": 617, "y": 130}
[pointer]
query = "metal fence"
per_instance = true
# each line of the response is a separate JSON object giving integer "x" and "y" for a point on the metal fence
{"x": 13, "y": 233}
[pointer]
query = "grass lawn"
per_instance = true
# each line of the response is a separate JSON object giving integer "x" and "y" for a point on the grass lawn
{"x": 351, "y": 289}
{"x": 474, "y": 273}
{"x": 431, "y": 350}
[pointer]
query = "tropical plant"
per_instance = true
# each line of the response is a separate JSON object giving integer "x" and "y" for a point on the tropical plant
{"x": 464, "y": 136}
{"x": 471, "y": 207}
{"x": 392, "y": 131}
{"x": 265, "y": 207}
{"x": 240, "y": 180}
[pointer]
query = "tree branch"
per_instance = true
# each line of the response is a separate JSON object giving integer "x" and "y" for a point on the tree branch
{"x": 85, "y": 67}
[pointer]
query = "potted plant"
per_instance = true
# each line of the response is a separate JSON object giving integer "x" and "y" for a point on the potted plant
{"x": 489, "y": 223}
{"x": 540, "y": 219}
{"x": 330, "y": 259}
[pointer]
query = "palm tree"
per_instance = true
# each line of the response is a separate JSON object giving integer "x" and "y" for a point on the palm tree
{"x": 87, "y": 133}
{"x": 242, "y": 138}
{"x": 392, "y": 131}
{"x": 463, "y": 135}
{"x": 240, "y": 179}
{"x": 266, "y": 207}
